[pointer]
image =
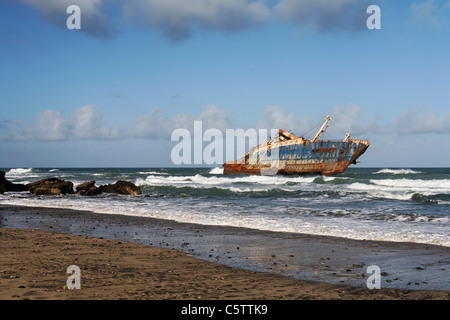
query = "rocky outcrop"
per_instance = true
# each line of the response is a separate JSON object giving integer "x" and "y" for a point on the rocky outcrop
{"x": 55, "y": 186}
{"x": 121, "y": 187}
{"x": 6, "y": 185}
{"x": 88, "y": 189}
{"x": 45, "y": 191}
{"x": 51, "y": 186}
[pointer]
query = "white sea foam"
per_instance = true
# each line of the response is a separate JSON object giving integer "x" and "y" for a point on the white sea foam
{"x": 425, "y": 187}
{"x": 442, "y": 185}
{"x": 397, "y": 171}
{"x": 153, "y": 173}
{"x": 400, "y": 189}
{"x": 393, "y": 196}
{"x": 349, "y": 226}
{"x": 254, "y": 189}
{"x": 153, "y": 180}
{"x": 234, "y": 189}
{"x": 18, "y": 172}
{"x": 216, "y": 170}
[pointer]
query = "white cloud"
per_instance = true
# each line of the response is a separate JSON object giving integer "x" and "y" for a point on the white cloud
{"x": 155, "y": 125}
{"x": 430, "y": 12}
{"x": 343, "y": 119}
{"x": 214, "y": 117}
{"x": 178, "y": 18}
{"x": 413, "y": 121}
{"x": 347, "y": 119}
{"x": 324, "y": 15}
{"x": 277, "y": 117}
{"x": 51, "y": 125}
{"x": 89, "y": 125}
{"x": 424, "y": 12}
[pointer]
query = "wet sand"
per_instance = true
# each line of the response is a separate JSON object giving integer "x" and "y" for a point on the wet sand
{"x": 142, "y": 258}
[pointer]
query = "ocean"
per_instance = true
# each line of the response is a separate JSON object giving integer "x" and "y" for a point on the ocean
{"x": 387, "y": 204}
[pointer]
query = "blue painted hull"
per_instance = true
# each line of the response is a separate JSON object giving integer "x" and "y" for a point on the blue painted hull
{"x": 302, "y": 157}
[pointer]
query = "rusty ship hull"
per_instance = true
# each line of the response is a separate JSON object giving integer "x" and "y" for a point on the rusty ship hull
{"x": 291, "y": 155}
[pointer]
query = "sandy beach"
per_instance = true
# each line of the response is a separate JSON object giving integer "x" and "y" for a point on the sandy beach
{"x": 34, "y": 263}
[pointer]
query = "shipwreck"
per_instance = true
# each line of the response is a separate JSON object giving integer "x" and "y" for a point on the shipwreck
{"x": 287, "y": 154}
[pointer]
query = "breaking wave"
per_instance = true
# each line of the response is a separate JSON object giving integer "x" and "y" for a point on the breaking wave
{"x": 18, "y": 172}
{"x": 397, "y": 171}
{"x": 415, "y": 184}
{"x": 200, "y": 180}
{"x": 216, "y": 170}
{"x": 153, "y": 172}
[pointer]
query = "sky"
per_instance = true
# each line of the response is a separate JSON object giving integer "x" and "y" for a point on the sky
{"x": 111, "y": 93}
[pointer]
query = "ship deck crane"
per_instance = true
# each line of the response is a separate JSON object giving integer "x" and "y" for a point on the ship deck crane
{"x": 322, "y": 129}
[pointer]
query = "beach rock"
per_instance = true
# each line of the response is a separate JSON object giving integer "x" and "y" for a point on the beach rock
{"x": 51, "y": 186}
{"x": 88, "y": 189}
{"x": 6, "y": 185}
{"x": 47, "y": 192}
{"x": 121, "y": 187}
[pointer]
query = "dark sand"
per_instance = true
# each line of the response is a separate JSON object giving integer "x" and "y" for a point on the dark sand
{"x": 142, "y": 258}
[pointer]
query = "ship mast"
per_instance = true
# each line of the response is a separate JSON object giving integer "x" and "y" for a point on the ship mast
{"x": 347, "y": 136}
{"x": 322, "y": 129}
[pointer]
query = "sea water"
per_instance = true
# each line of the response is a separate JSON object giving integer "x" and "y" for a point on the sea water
{"x": 388, "y": 204}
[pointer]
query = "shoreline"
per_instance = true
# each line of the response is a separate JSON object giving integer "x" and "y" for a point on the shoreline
{"x": 310, "y": 267}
